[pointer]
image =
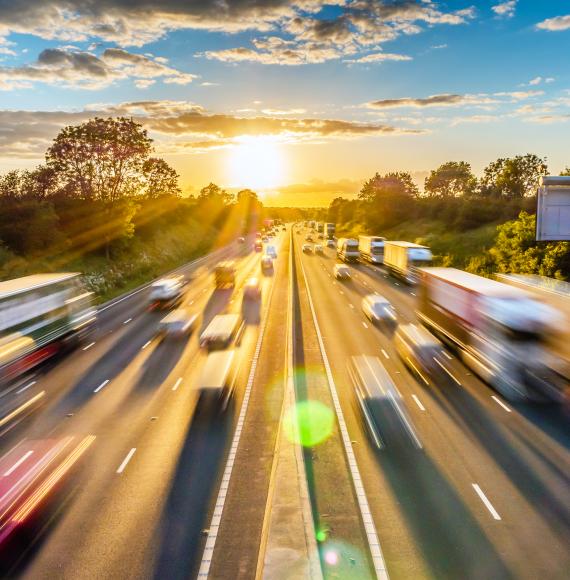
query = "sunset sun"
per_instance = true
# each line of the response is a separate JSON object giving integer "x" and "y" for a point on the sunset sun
{"x": 257, "y": 163}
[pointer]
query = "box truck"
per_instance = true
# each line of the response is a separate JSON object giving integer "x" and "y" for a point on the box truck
{"x": 404, "y": 258}
{"x": 330, "y": 230}
{"x": 499, "y": 331}
{"x": 371, "y": 249}
{"x": 347, "y": 250}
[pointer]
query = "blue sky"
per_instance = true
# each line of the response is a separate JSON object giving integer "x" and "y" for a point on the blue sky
{"x": 328, "y": 93}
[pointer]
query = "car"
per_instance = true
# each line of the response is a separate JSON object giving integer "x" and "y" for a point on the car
{"x": 382, "y": 407}
{"x": 177, "y": 324}
{"x": 321, "y": 237}
{"x": 217, "y": 380}
{"x": 319, "y": 249}
{"x": 309, "y": 238}
{"x": 271, "y": 251}
{"x": 166, "y": 292}
{"x": 331, "y": 244}
{"x": 420, "y": 351}
{"x": 266, "y": 263}
{"x": 378, "y": 309}
{"x": 222, "y": 330}
{"x": 341, "y": 272}
{"x": 258, "y": 246}
{"x": 252, "y": 289}
{"x": 241, "y": 240}
{"x": 307, "y": 248}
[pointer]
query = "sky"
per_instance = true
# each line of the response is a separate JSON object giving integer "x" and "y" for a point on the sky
{"x": 301, "y": 101}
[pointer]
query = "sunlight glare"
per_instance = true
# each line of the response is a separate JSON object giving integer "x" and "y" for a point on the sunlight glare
{"x": 256, "y": 163}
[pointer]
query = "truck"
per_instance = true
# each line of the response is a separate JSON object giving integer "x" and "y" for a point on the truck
{"x": 347, "y": 249}
{"x": 371, "y": 249}
{"x": 40, "y": 316}
{"x": 330, "y": 230}
{"x": 225, "y": 275}
{"x": 320, "y": 227}
{"x": 554, "y": 293}
{"x": 402, "y": 259}
{"x": 500, "y": 332}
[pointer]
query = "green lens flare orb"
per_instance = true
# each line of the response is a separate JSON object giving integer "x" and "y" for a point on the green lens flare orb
{"x": 309, "y": 423}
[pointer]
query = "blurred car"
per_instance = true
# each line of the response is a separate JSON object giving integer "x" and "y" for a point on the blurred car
{"x": 381, "y": 404}
{"x": 218, "y": 377}
{"x": 252, "y": 289}
{"x": 378, "y": 309}
{"x": 266, "y": 263}
{"x": 225, "y": 275}
{"x": 419, "y": 350}
{"x": 331, "y": 244}
{"x": 309, "y": 238}
{"x": 319, "y": 249}
{"x": 307, "y": 248}
{"x": 341, "y": 272}
{"x": 177, "y": 324}
{"x": 321, "y": 237}
{"x": 271, "y": 251}
{"x": 222, "y": 330}
{"x": 166, "y": 292}
{"x": 241, "y": 240}
{"x": 258, "y": 246}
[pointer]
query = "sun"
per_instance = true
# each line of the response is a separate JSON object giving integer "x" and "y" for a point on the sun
{"x": 256, "y": 163}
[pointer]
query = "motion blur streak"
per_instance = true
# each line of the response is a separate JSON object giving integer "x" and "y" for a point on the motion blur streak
{"x": 21, "y": 408}
{"x": 56, "y": 476}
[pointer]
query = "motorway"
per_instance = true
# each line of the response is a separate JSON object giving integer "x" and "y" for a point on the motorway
{"x": 166, "y": 491}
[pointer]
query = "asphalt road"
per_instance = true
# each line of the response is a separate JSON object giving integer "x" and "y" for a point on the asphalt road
{"x": 166, "y": 489}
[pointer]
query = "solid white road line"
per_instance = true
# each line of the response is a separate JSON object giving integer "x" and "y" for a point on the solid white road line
{"x": 497, "y": 400}
{"x": 487, "y": 503}
{"x": 177, "y": 384}
{"x": 25, "y": 388}
{"x": 214, "y": 526}
{"x": 146, "y": 344}
{"x": 101, "y": 386}
{"x": 385, "y": 353}
{"x": 127, "y": 320}
{"x": 126, "y": 460}
{"x": 88, "y": 346}
{"x": 418, "y": 403}
{"x": 369, "y": 526}
{"x": 18, "y": 463}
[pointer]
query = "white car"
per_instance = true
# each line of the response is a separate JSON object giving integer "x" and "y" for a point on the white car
{"x": 319, "y": 249}
{"x": 271, "y": 251}
{"x": 177, "y": 324}
{"x": 266, "y": 263}
{"x": 378, "y": 309}
{"x": 252, "y": 289}
{"x": 307, "y": 248}
{"x": 341, "y": 272}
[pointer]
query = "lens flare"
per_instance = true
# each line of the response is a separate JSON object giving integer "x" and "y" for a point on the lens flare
{"x": 309, "y": 423}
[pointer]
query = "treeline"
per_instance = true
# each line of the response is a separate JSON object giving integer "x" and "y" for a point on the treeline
{"x": 453, "y": 210}
{"x": 104, "y": 205}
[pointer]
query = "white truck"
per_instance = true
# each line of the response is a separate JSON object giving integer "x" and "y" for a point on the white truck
{"x": 371, "y": 249}
{"x": 499, "y": 331}
{"x": 347, "y": 249}
{"x": 403, "y": 259}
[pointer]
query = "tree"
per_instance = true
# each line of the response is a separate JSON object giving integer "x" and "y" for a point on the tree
{"x": 213, "y": 192}
{"x": 101, "y": 159}
{"x": 40, "y": 183}
{"x": 565, "y": 172}
{"x": 11, "y": 186}
{"x": 160, "y": 179}
{"x": 514, "y": 177}
{"x": 397, "y": 183}
{"x": 452, "y": 179}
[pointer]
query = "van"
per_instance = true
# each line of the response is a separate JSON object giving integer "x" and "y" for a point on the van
{"x": 218, "y": 377}
{"x": 179, "y": 323}
{"x": 222, "y": 331}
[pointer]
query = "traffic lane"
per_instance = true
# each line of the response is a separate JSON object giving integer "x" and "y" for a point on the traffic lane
{"x": 420, "y": 515}
{"x": 480, "y": 463}
{"x": 119, "y": 516}
{"x": 70, "y": 384}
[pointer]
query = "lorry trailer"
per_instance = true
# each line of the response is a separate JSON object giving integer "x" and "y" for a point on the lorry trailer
{"x": 403, "y": 259}
{"x": 347, "y": 250}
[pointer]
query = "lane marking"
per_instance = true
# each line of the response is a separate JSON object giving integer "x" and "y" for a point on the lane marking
{"x": 351, "y": 305}
{"x": 101, "y": 386}
{"x": 177, "y": 384}
{"x": 214, "y": 527}
{"x": 365, "y": 325}
{"x": 18, "y": 463}
{"x": 26, "y": 387}
{"x": 88, "y": 346}
{"x": 126, "y": 460}
{"x": 418, "y": 403}
{"x": 369, "y": 526}
{"x": 497, "y": 400}
{"x": 448, "y": 372}
{"x": 21, "y": 408}
{"x": 417, "y": 370}
{"x": 449, "y": 357}
{"x": 146, "y": 344}
{"x": 127, "y": 320}
{"x": 485, "y": 500}
{"x": 341, "y": 291}
{"x": 412, "y": 293}
{"x": 385, "y": 353}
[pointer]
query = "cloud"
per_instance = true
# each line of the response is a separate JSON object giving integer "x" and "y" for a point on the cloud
{"x": 379, "y": 57}
{"x": 505, "y": 9}
{"x": 555, "y": 24}
{"x": 84, "y": 70}
{"x": 180, "y": 126}
{"x": 474, "y": 119}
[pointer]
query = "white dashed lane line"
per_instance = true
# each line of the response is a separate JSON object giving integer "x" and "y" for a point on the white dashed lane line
{"x": 486, "y": 501}
{"x": 127, "y": 320}
{"x": 385, "y": 353}
{"x": 499, "y": 402}
{"x": 126, "y": 460}
{"x": 146, "y": 344}
{"x": 26, "y": 387}
{"x": 418, "y": 403}
{"x": 365, "y": 325}
{"x": 103, "y": 384}
{"x": 88, "y": 346}
{"x": 177, "y": 384}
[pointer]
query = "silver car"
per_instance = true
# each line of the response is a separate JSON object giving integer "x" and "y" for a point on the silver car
{"x": 378, "y": 309}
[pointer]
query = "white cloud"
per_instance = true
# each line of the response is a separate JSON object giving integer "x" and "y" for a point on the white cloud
{"x": 555, "y": 24}
{"x": 505, "y": 9}
{"x": 379, "y": 57}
